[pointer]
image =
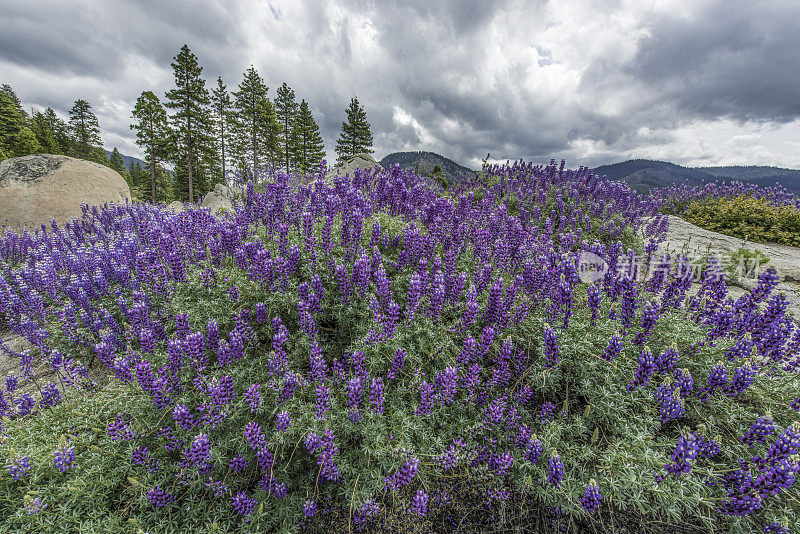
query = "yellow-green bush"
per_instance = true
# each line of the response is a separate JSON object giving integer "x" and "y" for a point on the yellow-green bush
{"x": 747, "y": 217}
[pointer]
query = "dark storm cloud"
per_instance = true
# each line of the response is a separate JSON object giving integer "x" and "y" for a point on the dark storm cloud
{"x": 93, "y": 38}
{"x": 583, "y": 79}
{"x": 737, "y": 59}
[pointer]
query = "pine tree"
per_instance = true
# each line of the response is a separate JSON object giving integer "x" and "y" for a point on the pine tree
{"x": 254, "y": 115}
{"x": 85, "y": 129}
{"x": 152, "y": 133}
{"x": 308, "y": 148}
{"x": 16, "y": 137}
{"x": 60, "y": 131}
{"x": 356, "y": 136}
{"x": 286, "y": 111}
{"x": 221, "y": 105}
{"x": 116, "y": 162}
{"x": 192, "y": 126}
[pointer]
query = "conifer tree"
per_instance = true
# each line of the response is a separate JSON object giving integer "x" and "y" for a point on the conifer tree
{"x": 116, "y": 162}
{"x": 85, "y": 129}
{"x": 152, "y": 133}
{"x": 16, "y": 136}
{"x": 257, "y": 128}
{"x": 191, "y": 124}
{"x": 221, "y": 106}
{"x": 356, "y": 136}
{"x": 308, "y": 148}
{"x": 286, "y": 111}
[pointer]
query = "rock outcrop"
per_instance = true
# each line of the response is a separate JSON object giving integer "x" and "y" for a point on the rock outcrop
{"x": 697, "y": 243}
{"x": 38, "y": 188}
{"x": 351, "y": 165}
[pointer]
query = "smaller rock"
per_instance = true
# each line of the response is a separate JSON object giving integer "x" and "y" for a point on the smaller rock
{"x": 176, "y": 206}
{"x": 351, "y": 165}
{"x": 216, "y": 203}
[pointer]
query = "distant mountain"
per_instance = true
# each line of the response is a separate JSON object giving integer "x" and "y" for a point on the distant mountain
{"x": 643, "y": 174}
{"x": 763, "y": 176}
{"x": 424, "y": 162}
{"x": 128, "y": 160}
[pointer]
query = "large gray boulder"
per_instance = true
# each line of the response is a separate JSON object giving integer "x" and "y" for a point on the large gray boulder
{"x": 217, "y": 203}
{"x": 38, "y": 188}
{"x": 684, "y": 237}
{"x": 351, "y": 165}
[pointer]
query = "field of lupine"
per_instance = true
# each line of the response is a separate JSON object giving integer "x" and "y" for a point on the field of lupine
{"x": 379, "y": 354}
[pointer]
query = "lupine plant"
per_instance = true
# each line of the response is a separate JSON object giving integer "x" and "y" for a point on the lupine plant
{"x": 377, "y": 352}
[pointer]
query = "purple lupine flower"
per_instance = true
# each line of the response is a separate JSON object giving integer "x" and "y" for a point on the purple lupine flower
{"x": 403, "y": 476}
{"x": 594, "y": 298}
{"x": 717, "y": 378}
{"x": 650, "y": 315}
{"x": 671, "y": 402}
{"x": 323, "y": 401}
{"x": 759, "y": 431}
{"x": 160, "y": 498}
{"x": 398, "y": 362}
{"x": 51, "y": 396}
{"x": 309, "y": 509}
{"x": 183, "y": 416}
{"x": 495, "y": 412}
{"x": 555, "y": 470}
{"x": 243, "y": 504}
{"x": 644, "y": 371}
{"x": 776, "y": 527}
{"x": 708, "y": 447}
{"x": 565, "y": 300}
{"x": 253, "y": 397}
{"x": 787, "y": 443}
{"x": 33, "y": 505}
{"x": 282, "y": 421}
{"x": 199, "y": 452}
{"x": 238, "y": 464}
{"x": 743, "y": 378}
{"x": 613, "y": 349}
{"x": 590, "y": 501}
{"x": 376, "y": 394}
{"x": 667, "y": 360}
{"x": 354, "y": 390}
{"x": 533, "y": 450}
{"x": 19, "y": 467}
{"x": 448, "y": 385}
{"x": 684, "y": 380}
{"x": 686, "y": 449}
{"x": 419, "y": 504}
{"x": 426, "y": 398}
{"x": 546, "y": 412}
{"x": 550, "y": 346}
{"x": 218, "y": 487}
{"x": 233, "y": 293}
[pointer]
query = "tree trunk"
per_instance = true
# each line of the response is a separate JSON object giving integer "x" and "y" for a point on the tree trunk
{"x": 222, "y": 142}
{"x": 153, "y": 178}
{"x": 189, "y": 152}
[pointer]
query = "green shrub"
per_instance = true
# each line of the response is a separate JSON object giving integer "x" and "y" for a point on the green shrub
{"x": 748, "y": 218}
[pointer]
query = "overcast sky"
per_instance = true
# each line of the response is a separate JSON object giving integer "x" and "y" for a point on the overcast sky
{"x": 696, "y": 82}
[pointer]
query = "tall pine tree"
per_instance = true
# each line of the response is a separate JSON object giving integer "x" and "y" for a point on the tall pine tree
{"x": 16, "y": 136}
{"x": 116, "y": 162}
{"x": 85, "y": 129}
{"x": 286, "y": 111}
{"x": 221, "y": 105}
{"x": 152, "y": 133}
{"x": 192, "y": 126}
{"x": 308, "y": 148}
{"x": 257, "y": 128}
{"x": 356, "y": 136}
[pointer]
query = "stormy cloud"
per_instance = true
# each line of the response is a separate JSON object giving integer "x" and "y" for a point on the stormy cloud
{"x": 593, "y": 81}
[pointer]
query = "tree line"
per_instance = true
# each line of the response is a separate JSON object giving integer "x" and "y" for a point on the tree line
{"x": 204, "y": 135}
